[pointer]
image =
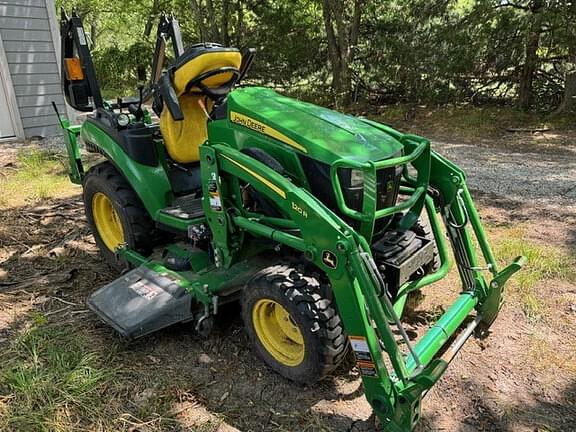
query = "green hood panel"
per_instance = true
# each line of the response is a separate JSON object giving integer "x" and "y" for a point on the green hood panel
{"x": 326, "y": 135}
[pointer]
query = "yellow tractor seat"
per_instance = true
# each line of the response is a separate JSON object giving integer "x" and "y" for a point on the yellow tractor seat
{"x": 204, "y": 74}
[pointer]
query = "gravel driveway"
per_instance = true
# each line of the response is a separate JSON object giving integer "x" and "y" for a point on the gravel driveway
{"x": 540, "y": 180}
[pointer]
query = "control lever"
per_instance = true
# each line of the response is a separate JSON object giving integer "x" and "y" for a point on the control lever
{"x": 137, "y": 111}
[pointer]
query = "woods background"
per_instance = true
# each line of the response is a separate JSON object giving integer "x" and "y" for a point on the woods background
{"x": 336, "y": 52}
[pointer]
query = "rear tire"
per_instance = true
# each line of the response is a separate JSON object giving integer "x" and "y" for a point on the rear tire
{"x": 293, "y": 328}
{"x": 115, "y": 214}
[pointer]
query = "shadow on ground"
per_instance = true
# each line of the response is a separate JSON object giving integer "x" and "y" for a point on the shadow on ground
{"x": 172, "y": 380}
{"x": 487, "y": 414}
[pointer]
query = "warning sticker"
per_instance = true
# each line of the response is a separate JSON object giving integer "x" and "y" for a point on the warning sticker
{"x": 214, "y": 195}
{"x": 146, "y": 290}
{"x": 81, "y": 36}
{"x": 215, "y": 202}
{"x": 360, "y": 347}
{"x": 363, "y": 358}
{"x": 367, "y": 368}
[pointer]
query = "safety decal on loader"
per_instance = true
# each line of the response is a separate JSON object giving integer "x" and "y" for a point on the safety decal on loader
{"x": 367, "y": 368}
{"x": 360, "y": 347}
{"x": 215, "y": 201}
{"x": 363, "y": 358}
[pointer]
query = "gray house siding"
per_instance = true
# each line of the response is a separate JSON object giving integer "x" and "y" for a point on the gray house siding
{"x": 27, "y": 35}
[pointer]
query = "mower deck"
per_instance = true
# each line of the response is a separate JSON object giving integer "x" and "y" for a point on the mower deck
{"x": 141, "y": 302}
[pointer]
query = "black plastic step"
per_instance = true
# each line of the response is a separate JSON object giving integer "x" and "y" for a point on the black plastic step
{"x": 185, "y": 207}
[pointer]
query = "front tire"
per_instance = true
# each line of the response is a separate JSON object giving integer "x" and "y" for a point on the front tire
{"x": 292, "y": 326}
{"x": 115, "y": 214}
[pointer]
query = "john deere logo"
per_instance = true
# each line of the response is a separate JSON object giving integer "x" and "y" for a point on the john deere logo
{"x": 329, "y": 259}
{"x": 248, "y": 122}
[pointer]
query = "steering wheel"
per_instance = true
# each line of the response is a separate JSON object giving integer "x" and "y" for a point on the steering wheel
{"x": 218, "y": 92}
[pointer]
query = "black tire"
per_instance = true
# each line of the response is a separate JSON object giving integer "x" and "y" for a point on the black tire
{"x": 325, "y": 342}
{"x": 137, "y": 226}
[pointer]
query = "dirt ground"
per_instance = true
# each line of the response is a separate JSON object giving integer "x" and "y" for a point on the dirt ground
{"x": 521, "y": 378}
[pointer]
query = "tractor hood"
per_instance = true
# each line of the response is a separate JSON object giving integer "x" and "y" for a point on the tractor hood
{"x": 320, "y": 133}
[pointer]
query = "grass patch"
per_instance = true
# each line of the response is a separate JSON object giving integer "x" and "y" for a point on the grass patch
{"x": 50, "y": 381}
{"x": 544, "y": 262}
{"x": 38, "y": 175}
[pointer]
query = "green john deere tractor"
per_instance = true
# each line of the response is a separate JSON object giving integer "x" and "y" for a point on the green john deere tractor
{"x": 322, "y": 224}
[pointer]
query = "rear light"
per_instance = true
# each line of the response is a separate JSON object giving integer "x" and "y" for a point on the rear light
{"x": 73, "y": 69}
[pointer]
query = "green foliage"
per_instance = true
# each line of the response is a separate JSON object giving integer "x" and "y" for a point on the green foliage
{"x": 39, "y": 175}
{"x": 123, "y": 68}
{"x": 418, "y": 52}
{"x": 288, "y": 36}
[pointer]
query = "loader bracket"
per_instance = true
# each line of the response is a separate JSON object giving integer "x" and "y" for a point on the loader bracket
{"x": 493, "y": 303}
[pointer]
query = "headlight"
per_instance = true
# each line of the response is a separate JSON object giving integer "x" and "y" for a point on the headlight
{"x": 356, "y": 178}
{"x": 123, "y": 120}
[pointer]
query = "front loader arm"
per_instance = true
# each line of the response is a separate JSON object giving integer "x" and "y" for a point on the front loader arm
{"x": 395, "y": 381}
{"x": 324, "y": 239}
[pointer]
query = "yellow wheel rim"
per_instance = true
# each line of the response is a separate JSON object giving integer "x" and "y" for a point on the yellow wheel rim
{"x": 107, "y": 221}
{"x": 278, "y": 332}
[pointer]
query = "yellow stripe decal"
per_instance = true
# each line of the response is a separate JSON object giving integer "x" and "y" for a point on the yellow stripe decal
{"x": 259, "y": 177}
{"x": 266, "y": 130}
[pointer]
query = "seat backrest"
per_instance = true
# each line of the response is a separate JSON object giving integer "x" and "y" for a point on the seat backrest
{"x": 183, "y": 138}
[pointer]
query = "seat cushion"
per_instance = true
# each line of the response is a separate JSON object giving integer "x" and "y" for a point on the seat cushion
{"x": 183, "y": 138}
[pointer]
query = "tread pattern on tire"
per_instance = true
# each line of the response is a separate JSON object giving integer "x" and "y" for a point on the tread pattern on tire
{"x": 305, "y": 291}
{"x": 141, "y": 225}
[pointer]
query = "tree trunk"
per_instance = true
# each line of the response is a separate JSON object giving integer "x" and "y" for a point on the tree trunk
{"x": 213, "y": 23}
{"x": 239, "y": 23}
{"x": 93, "y": 33}
{"x": 352, "y": 42}
{"x": 525, "y": 93}
{"x": 225, "y": 33}
{"x": 342, "y": 38}
{"x": 150, "y": 21}
{"x": 333, "y": 49}
{"x": 199, "y": 15}
{"x": 569, "y": 97}
{"x": 570, "y": 90}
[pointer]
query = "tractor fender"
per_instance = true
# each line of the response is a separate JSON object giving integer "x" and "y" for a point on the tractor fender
{"x": 150, "y": 183}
